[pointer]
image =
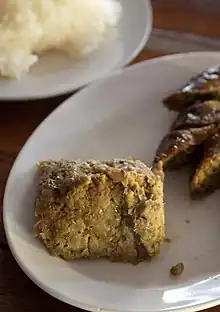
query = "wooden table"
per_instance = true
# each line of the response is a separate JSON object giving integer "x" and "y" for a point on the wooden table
{"x": 18, "y": 120}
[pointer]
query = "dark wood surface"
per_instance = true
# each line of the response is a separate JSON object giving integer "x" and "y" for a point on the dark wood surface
{"x": 17, "y": 122}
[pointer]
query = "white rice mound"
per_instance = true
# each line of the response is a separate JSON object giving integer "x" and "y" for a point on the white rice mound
{"x": 30, "y": 27}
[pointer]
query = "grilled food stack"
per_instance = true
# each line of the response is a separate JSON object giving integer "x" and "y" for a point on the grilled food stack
{"x": 194, "y": 136}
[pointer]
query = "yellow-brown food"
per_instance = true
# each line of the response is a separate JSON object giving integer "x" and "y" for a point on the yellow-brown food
{"x": 94, "y": 209}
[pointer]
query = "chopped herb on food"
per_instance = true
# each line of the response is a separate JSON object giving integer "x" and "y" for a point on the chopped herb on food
{"x": 167, "y": 240}
{"x": 177, "y": 269}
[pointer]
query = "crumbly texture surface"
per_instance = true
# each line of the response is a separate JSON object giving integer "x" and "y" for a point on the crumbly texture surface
{"x": 94, "y": 209}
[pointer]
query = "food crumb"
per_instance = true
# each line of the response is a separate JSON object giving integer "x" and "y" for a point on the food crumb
{"x": 177, "y": 269}
{"x": 187, "y": 221}
{"x": 167, "y": 240}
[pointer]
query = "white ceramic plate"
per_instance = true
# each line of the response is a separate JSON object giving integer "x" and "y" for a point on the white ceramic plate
{"x": 56, "y": 73}
{"x": 118, "y": 117}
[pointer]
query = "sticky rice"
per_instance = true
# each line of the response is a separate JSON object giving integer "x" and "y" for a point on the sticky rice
{"x": 30, "y": 27}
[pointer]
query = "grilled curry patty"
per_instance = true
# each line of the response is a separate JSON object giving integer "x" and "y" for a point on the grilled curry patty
{"x": 93, "y": 209}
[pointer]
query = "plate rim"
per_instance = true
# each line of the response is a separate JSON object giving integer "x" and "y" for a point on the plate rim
{"x": 22, "y": 265}
{"x": 69, "y": 90}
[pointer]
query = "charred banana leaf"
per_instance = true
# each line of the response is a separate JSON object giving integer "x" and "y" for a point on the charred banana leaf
{"x": 198, "y": 115}
{"x": 177, "y": 146}
{"x": 207, "y": 176}
{"x": 203, "y": 87}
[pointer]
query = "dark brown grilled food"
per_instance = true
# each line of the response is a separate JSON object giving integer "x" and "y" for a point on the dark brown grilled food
{"x": 203, "y": 87}
{"x": 93, "y": 209}
{"x": 198, "y": 115}
{"x": 206, "y": 179}
{"x": 177, "y": 147}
